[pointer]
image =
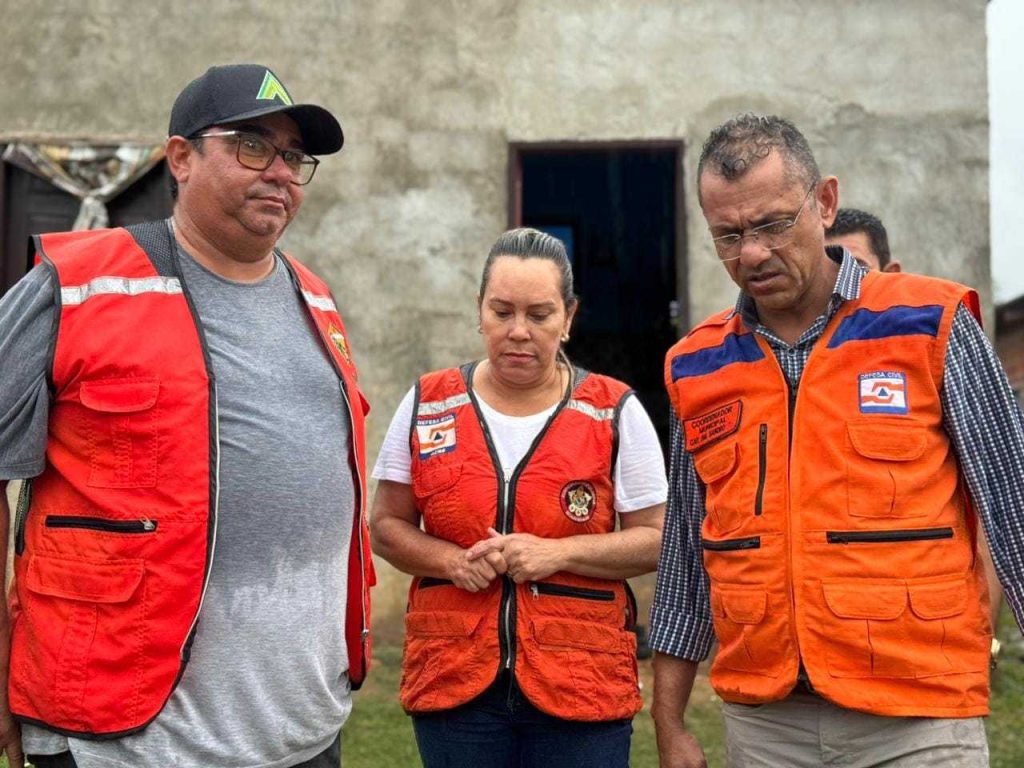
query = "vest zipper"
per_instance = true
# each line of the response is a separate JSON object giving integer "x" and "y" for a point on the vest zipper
{"x": 731, "y": 545}
{"x": 21, "y": 515}
{"x": 762, "y": 467}
{"x": 508, "y": 588}
{"x": 506, "y": 513}
{"x": 186, "y": 648}
{"x": 357, "y": 527}
{"x": 861, "y": 537}
{"x": 538, "y": 588}
{"x": 144, "y": 525}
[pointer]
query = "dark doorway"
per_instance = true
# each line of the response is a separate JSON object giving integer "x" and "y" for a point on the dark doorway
{"x": 619, "y": 210}
{"x": 31, "y": 205}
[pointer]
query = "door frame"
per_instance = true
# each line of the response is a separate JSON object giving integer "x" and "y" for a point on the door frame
{"x": 514, "y": 208}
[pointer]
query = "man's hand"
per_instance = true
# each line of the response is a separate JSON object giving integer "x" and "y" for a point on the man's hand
{"x": 527, "y": 557}
{"x": 678, "y": 748}
{"x": 10, "y": 740}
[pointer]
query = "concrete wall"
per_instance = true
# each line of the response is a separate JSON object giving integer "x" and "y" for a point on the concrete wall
{"x": 892, "y": 97}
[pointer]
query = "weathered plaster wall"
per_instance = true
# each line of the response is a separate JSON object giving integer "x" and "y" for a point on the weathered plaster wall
{"x": 891, "y": 95}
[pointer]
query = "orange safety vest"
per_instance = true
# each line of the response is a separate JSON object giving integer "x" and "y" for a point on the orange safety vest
{"x": 838, "y": 531}
{"x": 114, "y": 540}
{"x": 568, "y": 638}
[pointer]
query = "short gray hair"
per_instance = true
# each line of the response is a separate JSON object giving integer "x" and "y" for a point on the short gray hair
{"x": 736, "y": 146}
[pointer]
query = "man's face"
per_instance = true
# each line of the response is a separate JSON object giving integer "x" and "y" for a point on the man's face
{"x": 782, "y": 280}
{"x": 859, "y": 245}
{"x": 229, "y": 202}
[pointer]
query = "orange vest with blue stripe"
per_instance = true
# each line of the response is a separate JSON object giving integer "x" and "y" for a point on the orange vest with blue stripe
{"x": 114, "y": 539}
{"x": 568, "y": 639}
{"x": 838, "y": 531}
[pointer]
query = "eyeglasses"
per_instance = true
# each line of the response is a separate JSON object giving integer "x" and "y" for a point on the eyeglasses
{"x": 770, "y": 236}
{"x": 256, "y": 153}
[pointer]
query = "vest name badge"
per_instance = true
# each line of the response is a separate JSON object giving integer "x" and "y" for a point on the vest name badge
{"x": 883, "y": 392}
{"x": 711, "y": 426}
{"x": 436, "y": 435}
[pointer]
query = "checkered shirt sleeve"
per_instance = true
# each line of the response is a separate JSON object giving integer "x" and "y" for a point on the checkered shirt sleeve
{"x": 681, "y": 611}
{"x": 986, "y": 428}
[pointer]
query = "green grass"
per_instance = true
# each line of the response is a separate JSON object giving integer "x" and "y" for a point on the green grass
{"x": 380, "y": 734}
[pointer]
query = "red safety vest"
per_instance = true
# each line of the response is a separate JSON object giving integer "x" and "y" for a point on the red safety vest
{"x": 114, "y": 545}
{"x": 568, "y": 638}
{"x": 838, "y": 529}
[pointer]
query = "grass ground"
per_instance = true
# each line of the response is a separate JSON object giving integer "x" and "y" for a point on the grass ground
{"x": 379, "y": 734}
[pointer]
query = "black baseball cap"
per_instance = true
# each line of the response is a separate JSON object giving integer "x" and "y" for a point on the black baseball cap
{"x": 233, "y": 92}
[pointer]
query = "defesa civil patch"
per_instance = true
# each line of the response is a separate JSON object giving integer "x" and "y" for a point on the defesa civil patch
{"x": 883, "y": 392}
{"x": 435, "y": 435}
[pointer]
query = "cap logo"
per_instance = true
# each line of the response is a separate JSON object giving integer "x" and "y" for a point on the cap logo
{"x": 272, "y": 89}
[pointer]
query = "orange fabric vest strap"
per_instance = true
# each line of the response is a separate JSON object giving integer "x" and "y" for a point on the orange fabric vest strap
{"x": 114, "y": 539}
{"x": 568, "y": 638}
{"x": 837, "y": 530}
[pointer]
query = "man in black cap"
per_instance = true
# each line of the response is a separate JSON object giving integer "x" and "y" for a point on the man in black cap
{"x": 191, "y": 559}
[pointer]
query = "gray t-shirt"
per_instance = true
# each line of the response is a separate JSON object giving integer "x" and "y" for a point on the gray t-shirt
{"x": 267, "y": 683}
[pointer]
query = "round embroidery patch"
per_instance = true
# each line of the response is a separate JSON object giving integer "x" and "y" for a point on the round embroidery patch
{"x": 578, "y": 500}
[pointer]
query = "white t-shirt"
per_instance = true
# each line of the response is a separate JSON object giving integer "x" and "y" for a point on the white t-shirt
{"x": 638, "y": 475}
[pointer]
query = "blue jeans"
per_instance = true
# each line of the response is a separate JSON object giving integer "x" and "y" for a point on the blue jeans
{"x": 501, "y": 729}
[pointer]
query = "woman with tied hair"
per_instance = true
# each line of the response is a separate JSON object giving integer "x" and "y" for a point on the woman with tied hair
{"x": 501, "y": 483}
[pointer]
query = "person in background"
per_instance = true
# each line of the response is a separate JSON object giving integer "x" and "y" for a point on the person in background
{"x": 840, "y": 435}
{"x": 521, "y": 492}
{"x": 863, "y": 235}
{"x": 192, "y": 562}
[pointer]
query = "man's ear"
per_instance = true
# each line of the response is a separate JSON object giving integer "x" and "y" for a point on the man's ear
{"x": 827, "y": 198}
{"x": 178, "y": 153}
{"x": 892, "y": 266}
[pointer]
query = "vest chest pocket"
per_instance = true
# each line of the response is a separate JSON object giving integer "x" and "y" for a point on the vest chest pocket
{"x": 883, "y": 472}
{"x": 729, "y": 497}
{"x": 120, "y": 426}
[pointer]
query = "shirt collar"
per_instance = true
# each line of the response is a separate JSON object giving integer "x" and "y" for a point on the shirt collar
{"x": 847, "y": 286}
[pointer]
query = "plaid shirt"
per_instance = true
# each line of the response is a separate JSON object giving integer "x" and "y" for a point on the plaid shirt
{"x": 980, "y": 415}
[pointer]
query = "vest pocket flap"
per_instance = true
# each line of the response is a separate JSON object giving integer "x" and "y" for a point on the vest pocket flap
{"x": 110, "y": 582}
{"x": 441, "y": 623}
{"x": 119, "y": 395}
{"x": 433, "y": 479}
{"x": 585, "y": 635}
{"x": 716, "y": 463}
{"x": 939, "y": 601}
{"x": 866, "y": 601}
{"x": 904, "y": 442}
{"x": 743, "y": 607}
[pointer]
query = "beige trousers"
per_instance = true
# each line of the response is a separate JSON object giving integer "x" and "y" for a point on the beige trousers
{"x": 806, "y": 731}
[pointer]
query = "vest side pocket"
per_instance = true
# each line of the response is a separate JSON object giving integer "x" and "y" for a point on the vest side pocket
{"x": 119, "y": 422}
{"x": 909, "y": 629}
{"x": 883, "y": 474}
{"x": 95, "y": 620}
{"x": 752, "y": 629}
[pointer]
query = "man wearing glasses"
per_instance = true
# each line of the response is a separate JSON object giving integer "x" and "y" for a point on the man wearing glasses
{"x": 191, "y": 554}
{"x": 840, "y": 436}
